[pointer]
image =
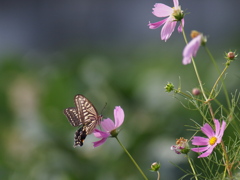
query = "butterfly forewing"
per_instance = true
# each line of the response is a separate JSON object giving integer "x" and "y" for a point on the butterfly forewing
{"x": 72, "y": 116}
{"x": 87, "y": 113}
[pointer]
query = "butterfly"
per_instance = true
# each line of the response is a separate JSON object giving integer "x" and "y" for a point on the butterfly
{"x": 84, "y": 115}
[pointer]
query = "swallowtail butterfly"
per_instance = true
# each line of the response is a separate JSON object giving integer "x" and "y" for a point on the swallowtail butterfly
{"x": 84, "y": 115}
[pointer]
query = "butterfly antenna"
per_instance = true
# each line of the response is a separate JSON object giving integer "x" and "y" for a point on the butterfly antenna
{"x": 104, "y": 108}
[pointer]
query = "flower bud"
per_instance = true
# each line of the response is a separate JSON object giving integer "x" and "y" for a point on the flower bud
{"x": 155, "y": 166}
{"x": 169, "y": 87}
{"x": 231, "y": 55}
{"x": 196, "y": 91}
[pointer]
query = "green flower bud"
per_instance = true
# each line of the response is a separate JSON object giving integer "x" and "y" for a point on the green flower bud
{"x": 155, "y": 166}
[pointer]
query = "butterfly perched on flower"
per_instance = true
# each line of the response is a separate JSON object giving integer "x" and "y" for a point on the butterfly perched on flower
{"x": 84, "y": 115}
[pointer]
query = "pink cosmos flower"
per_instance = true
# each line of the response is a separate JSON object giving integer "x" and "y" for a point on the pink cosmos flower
{"x": 173, "y": 15}
{"x": 213, "y": 139}
{"x": 191, "y": 49}
{"x": 109, "y": 127}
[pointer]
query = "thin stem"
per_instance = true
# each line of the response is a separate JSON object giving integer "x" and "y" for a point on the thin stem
{"x": 211, "y": 110}
{"x": 227, "y": 163}
{"x": 134, "y": 162}
{"x": 191, "y": 165}
{"x": 199, "y": 80}
{"x": 184, "y": 36}
{"x": 190, "y": 97}
{"x": 195, "y": 69}
{"x": 224, "y": 86}
{"x": 214, "y": 86}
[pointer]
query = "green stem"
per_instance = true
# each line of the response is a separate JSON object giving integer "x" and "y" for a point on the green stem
{"x": 191, "y": 165}
{"x": 184, "y": 36}
{"x": 134, "y": 162}
{"x": 214, "y": 86}
{"x": 195, "y": 69}
{"x": 199, "y": 80}
{"x": 158, "y": 175}
{"x": 227, "y": 163}
{"x": 190, "y": 97}
{"x": 224, "y": 86}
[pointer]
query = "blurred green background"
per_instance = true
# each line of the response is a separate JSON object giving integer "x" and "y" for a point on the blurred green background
{"x": 51, "y": 51}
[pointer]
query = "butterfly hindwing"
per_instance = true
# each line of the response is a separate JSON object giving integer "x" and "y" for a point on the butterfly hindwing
{"x": 72, "y": 116}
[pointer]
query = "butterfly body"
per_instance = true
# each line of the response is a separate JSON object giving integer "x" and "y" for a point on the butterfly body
{"x": 84, "y": 115}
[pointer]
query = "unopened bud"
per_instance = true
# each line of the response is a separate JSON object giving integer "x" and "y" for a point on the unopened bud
{"x": 169, "y": 87}
{"x": 155, "y": 166}
{"x": 196, "y": 91}
{"x": 231, "y": 55}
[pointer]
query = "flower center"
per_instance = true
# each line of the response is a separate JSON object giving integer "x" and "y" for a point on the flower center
{"x": 212, "y": 140}
{"x": 194, "y": 34}
{"x": 177, "y": 13}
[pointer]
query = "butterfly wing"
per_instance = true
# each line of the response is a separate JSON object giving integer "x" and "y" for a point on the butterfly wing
{"x": 72, "y": 116}
{"x": 87, "y": 113}
{"x": 84, "y": 115}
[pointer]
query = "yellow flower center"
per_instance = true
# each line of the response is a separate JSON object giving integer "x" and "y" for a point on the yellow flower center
{"x": 194, "y": 34}
{"x": 212, "y": 140}
{"x": 177, "y": 13}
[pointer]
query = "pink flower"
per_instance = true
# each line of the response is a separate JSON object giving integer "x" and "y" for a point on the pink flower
{"x": 174, "y": 14}
{"x": 110, "y": 129}
{"x": 213, "y": 139}
{"x": 191, "y": 49}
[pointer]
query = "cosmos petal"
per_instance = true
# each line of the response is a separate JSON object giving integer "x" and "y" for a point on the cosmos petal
{"x": 162, "y": 10}
{"x": 207, "y": 153}
{"x": 191, "y": 49}
{"x": 223, "y": 127}
{"x": 118, "y": 116}
{"x": 200, "y": 149}
{"x": 176, "y": 3}
{"x": 200, "y": 141}
{"x": 107, "y": 125}
{"x": 167, "y": 29}
{"x": 99, "y": 143}
{"x": 100, "y": 134}
{"x": 217, "y": 127}
{"x": 207, "y": 129}
{"x": 156, "y": 24}
{"x": 181, "y": 25}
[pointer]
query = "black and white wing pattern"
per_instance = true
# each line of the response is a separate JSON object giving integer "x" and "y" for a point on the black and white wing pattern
{"x": 72, "y": 116}
{"x": 84, "y": 115}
